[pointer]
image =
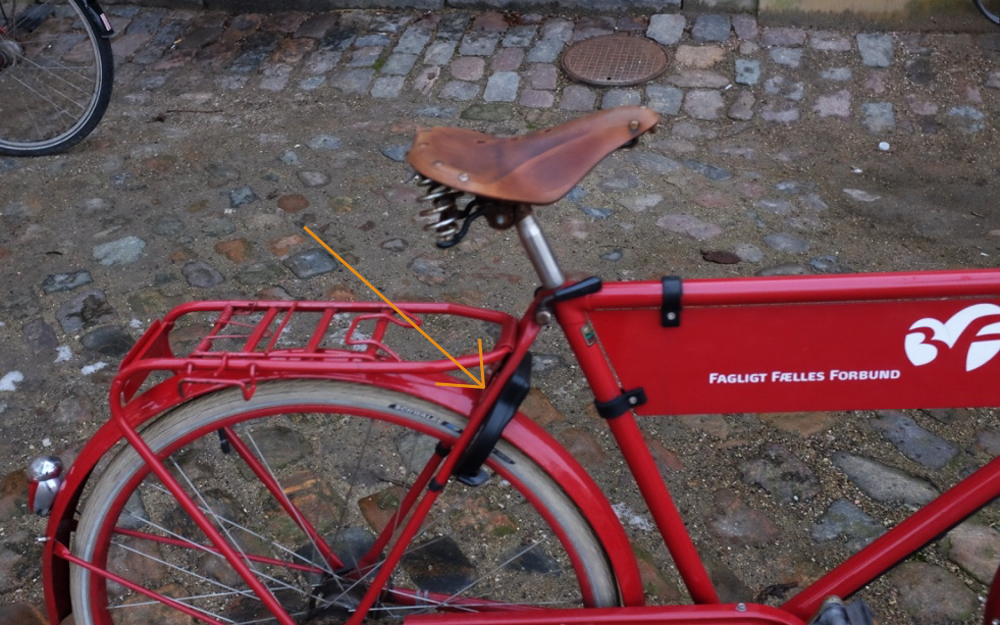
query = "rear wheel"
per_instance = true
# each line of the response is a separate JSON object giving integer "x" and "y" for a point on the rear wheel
{"x": 312, "y": 478}
{"x": 55, "y": 75}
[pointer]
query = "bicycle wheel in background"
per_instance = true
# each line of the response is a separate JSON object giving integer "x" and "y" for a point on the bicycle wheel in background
{"x": 990, "y": 9}
{"x": 56, "y": 71}
{"x": 339, "y": 458}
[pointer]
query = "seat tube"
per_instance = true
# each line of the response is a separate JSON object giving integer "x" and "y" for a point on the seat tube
{"x": 538, "y": 249}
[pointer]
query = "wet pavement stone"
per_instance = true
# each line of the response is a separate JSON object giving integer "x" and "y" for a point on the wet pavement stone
{"x": 200, "y": 274}
{"x": 875, "y": 50}
{"x": 86, "y": 309}
{"x": 884, "y": 483}
{"x": 689, "y": 225}
{"x": 108, "y": 341}
{"x": 783, "y": 36}
{"x": 747, "y": 71}
{"x": 736, "y": 523}
{"x": 931, "y": 594}
{"x": 440, "y": 566}
{"x": 311, "y": 263}
{"x": 781, "y": 474}
{"x": 711, "y": 28}
{"x": 975, "y": 548}
{"x": 124, "y": 251}
{"x": 55, "y": 283}
{"x": 913, "y": 441}
{"x": 666, "y": 29}
{"x": 845, "y": 521}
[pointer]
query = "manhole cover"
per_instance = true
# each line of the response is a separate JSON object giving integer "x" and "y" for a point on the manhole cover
{"x": 615, "y": 60}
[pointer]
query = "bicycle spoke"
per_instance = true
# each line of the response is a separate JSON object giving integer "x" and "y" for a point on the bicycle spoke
{"x": 325, "y": 552}
{"x": 322, "y": 566}
{"x": 212, "y": 551}
{"x": 303, "y": 484}
{"x": 57, "y": 80}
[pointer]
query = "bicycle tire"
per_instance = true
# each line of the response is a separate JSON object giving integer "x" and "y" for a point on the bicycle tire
{"x": 353, "y": 423}
{"x": 56, "y": 75}
{"x": 987, "y": 13}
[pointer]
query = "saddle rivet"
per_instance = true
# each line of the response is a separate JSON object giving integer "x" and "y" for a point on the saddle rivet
{"x": 463, "y": 177}
{"x": 438, "y": 163}
{"x": 633, "y": 125}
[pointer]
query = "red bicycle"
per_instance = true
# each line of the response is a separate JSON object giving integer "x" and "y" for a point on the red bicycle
{"x": 301, "y": 461}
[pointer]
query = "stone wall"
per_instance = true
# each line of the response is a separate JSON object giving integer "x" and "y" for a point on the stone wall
{"x": 910, "y": 14}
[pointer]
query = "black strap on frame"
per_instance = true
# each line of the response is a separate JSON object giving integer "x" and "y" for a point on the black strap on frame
{"x": 621, "y": 404}
{"x": 670, "y": 312}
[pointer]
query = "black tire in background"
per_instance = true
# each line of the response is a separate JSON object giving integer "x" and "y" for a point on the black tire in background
{"x": 56, "y": 75}
{"x": 990, "y": 9}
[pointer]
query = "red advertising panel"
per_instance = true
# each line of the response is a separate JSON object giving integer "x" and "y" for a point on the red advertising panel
{"x": 809, "y": 356}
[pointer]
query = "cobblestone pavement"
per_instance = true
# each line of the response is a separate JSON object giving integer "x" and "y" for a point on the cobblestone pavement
{"x": 782, "y": 151}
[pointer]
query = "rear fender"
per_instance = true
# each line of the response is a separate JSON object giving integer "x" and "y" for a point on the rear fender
{"x": 521, "y": 432}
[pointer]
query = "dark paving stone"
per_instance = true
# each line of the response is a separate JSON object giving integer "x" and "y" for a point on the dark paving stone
{"x": 260, "y": 273}
{"x": 728, "y": 585}
{"x": 221, "y": 174}
{"x": 256, "y": 49}
{"x": 201, "y": 275}
{"x": 596, "y": 213}
{"x": 124, "y": 251}
{"x": 913, "y": 441}
{"x": 711, "y": 28}
{"x": 167, "y": 225}
{"x": 736, "y": 523}
{"x": 712, "y": 172}
{"x": 57, "y": 282}
{"x": 242, "y": 196}
{"x": 39, "y": 337}
{"x": 654, "y": 163}
{"x": 440, "y": 566}
{"x": 919, "y": 71}
{"x": 781, "y": 474}
{"x": 844, "y": 520}
{"x": 337, "y": 39}
{"x": 108, "y": 341}
{"x": 489, "y": 112}
{"x": 828, "y": 264}
{"x": 931, "y": 594}
{"x": 884, "y": 483}
{"x": 532, "y": 561}
{"x": 219, "y": 227}
{"x": 311, "y": 263}
{"x": 87, "y": 309}
{"x": 975, "y": 548}
{"x": 788, "y": 243}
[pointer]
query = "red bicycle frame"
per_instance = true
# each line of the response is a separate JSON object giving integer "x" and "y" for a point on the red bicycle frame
{"x": 760, "y": 344}
{"x": 905, "y": 340}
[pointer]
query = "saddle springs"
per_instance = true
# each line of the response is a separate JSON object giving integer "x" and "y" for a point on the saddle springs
{"x": 448, "y": 220}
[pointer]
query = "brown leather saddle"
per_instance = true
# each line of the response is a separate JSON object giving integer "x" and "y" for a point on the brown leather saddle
{"x": 537, "y": 168}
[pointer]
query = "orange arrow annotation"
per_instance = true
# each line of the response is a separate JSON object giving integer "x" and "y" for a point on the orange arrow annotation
{"x": 479, "y": 383}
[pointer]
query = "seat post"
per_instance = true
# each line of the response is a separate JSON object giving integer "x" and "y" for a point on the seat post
{"x": 538, "y": 249}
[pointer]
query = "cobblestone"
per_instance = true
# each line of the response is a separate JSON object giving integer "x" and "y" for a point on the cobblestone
{"x": 711, "y": 28}
{"x": 666, "y": 29}
{"x": 766, "y": 163}
{"x": 747, "y": 71}
{"x": 876, "y": 50}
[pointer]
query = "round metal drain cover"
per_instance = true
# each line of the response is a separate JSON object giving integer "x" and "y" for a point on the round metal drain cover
{"x": 615, "y": 60}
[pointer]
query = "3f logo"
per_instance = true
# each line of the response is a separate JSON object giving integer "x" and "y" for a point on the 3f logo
{"x": 922, "y": 346}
